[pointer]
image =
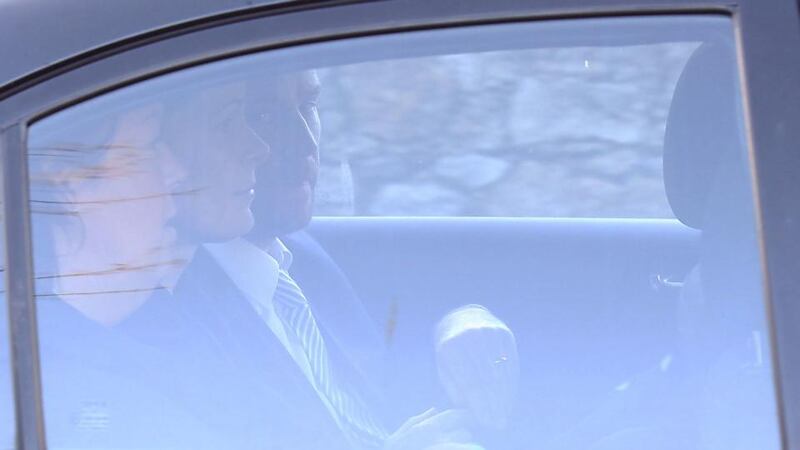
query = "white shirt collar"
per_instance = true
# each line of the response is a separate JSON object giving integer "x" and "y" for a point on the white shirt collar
{"x": 252, "y": 269}
{"x": 255, "y": 272}
{"x": 281, "y": 254}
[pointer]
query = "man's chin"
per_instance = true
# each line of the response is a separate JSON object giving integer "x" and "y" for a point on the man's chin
{"x": 281, "y": 221}
{"x": 297, "y": 197}
{"x": 290, "y": 225}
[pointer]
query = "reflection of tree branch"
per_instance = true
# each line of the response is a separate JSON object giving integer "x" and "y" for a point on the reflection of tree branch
{"x": 49, "y": 155}
{"x": 56, "y": 213}
{"x": 79, "y": 148}
{"x": 119, "y": 291}
{"x": 60, "y": 164}
{"x": 116, "y": 200}
{"x": 119, "y": 269}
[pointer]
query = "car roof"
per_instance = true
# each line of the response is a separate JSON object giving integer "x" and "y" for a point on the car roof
{"x": 38, "y": 33}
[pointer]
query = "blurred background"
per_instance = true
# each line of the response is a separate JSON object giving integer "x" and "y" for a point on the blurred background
{"x": 566, "y": 132}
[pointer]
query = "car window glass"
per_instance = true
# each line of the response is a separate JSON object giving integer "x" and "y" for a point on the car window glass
{"x": 549, "y": 132}
{"x": 489, "y": 236}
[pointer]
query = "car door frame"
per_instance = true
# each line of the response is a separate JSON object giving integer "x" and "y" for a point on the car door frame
{"x": 768, "y": 74}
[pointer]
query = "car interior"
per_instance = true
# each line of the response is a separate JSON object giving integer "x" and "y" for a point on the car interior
{"x": 641, "y": 329}
{"x": 593, "y": 303}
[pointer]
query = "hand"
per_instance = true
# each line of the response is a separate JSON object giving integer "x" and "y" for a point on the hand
{"x": 476, "y": 355}
{"x": 433, "y": 430}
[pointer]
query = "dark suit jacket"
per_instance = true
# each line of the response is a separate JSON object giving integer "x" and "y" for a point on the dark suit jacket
{"x": 199, "y": 369}
{"x": 259, "y": 390}
{"x": 193, "y": 370}
{"x": 102, "y": 389}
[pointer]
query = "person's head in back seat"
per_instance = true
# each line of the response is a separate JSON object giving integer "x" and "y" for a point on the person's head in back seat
{"x": 706, "y": 171}
{"x": 708, "y": 186}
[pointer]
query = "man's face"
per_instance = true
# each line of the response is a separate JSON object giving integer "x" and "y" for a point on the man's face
{"x": 287, "y": 119}
{"x": 220, "y": 153}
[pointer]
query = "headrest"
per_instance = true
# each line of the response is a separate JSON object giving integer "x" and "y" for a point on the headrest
{"x": 702, "y": 130}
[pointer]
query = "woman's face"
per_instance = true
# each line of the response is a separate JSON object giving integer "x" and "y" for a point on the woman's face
{"x": 124, "y": 202}
{"x": 214, "y": 142}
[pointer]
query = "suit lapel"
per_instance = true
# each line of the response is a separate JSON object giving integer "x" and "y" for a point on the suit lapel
{"x": 261, "y": 373}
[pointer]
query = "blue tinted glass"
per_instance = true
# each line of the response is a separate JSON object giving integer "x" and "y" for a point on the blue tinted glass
{"x": 517, "y": 236}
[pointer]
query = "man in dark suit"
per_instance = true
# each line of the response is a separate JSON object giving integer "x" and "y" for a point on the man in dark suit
{"x": 289, "y": 122}
{"x": 249, "y": 370}
{"x": 288, "y": 119}
{"x": 311, "y": 342}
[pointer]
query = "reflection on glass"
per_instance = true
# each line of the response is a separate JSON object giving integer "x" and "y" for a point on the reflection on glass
{"x": 187, "y": 299}
{"x": 102, "y": 200}
{"x": 101, "y": 203}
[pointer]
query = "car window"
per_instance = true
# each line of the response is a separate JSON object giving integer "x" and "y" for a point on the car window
{"x": 548, "y": 132}
{"x": 554, "y": 242}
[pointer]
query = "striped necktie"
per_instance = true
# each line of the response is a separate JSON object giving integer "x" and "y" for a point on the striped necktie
{"x": 352, "y": 414}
